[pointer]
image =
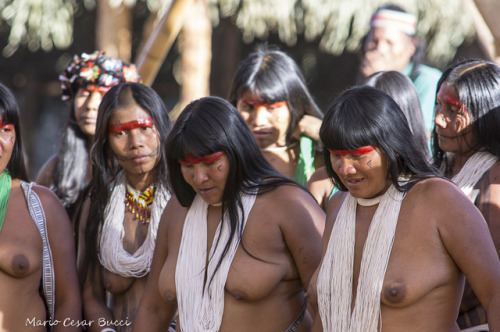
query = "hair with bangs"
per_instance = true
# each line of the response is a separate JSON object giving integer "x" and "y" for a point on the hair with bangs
{"x": 403, "y": 91}
{"x": 210, "y": 125}
{"x": 363, "y": 116}
{"x": 105, "y": 168}
{"x": 274, "y": 76}
{"x": 10, "y": 114}
{"x": 477, "y": 84}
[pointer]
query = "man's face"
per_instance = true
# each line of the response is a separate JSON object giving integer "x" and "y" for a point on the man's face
{"x": 386, "y": 49}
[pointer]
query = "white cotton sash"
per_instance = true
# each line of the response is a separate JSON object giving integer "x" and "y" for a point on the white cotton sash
{"x": 201, "y": 307}
{"x": 473, "y": 170}
{"x": 335, "y": 279}
{"x": 112, "y": 255}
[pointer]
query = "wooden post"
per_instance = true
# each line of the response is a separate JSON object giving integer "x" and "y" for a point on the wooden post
{"x": 113, "y": 28}
{"x": 484, "y": 14}
{"x": 161, "y": 39}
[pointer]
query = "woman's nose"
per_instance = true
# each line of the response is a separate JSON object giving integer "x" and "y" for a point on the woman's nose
{"x": 261, "y": 115}
{"x": 199, "y": 174}
{"x": 94, "y": 100}
{"x": 346, "y": 166}
{"x": 440, "y": 120}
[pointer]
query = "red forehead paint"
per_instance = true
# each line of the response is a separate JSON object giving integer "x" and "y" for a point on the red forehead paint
{"x": 448, "y": 96}
{"x": 260, "y": 102}
{"x": 358, "y": 151}
{"x": 450, "y": 100}
{"x": 97, "y": 88}
{"x": 116, "y": 128}
{"x": 190, "y": 159}
{"x": 7, "y": 126}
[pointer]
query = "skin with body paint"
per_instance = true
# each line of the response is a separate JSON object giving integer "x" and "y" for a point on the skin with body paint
{"x": 7, "y": 140}
{"x": 135, "y": 144}
{"x": 362, "y": 170}
{"x": 207, "y": 175}
{"x": 453, "y": 125}
{"x": 268, "y": 121}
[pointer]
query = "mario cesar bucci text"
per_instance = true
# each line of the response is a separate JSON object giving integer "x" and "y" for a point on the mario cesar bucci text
{"x": 77, "y": 323}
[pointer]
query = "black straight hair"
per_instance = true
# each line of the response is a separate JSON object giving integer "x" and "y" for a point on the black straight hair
{"x": 403, "y": 91}
{"x": 275, "y": 76}
{"x": 477, "y": 84}
{"x": 105, "y": 168}
{"x": 210, "y": 125}
{"x": 364, "y": 115}
{"x": 10, "y": 114}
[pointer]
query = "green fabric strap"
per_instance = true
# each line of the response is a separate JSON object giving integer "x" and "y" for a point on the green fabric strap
{"x": 5, "y": 183}
{"x": 305, "y": 164}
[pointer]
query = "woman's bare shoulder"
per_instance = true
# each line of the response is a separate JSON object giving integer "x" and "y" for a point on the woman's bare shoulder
{"x": 290, "y": 195}
{"x": 432, "y": 187}
{"x": 50, "y": 202}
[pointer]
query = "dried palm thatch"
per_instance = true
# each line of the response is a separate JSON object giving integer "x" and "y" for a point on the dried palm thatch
{"x": 38, "y": 23}
{"x": 339, "y": 25}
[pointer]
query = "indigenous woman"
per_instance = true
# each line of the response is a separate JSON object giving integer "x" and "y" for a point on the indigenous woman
{"x": 270, "y": 93}
{"x": 401, "y": 89}
{"x": 127, "y": 197}
{"x": 84, "y": 82}
{"x": 35, "y": 242}
{"x": 398, "y": 239}
{"x": 467, "y": 150}
{"x": 239, "y": 243}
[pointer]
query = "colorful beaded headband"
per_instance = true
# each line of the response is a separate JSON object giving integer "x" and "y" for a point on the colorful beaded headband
{"x": 95, "y": 70}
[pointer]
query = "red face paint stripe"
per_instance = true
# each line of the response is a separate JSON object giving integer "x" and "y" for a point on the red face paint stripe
{"x": 116, "y": 128}
{"x": 278, "y": 104}
{"x": 4, "y": 125}
{"x": 451, "y": 100}
{"x": 262, "y": 103}
{"x": 358, "y": 151}
{"x": 190, "y": 159}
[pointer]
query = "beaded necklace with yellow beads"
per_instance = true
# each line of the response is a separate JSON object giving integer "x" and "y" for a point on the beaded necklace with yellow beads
{"x": 140, "y": 203}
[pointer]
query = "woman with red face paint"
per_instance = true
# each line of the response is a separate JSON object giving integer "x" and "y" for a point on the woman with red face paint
{"x": 84, "y": 82}
{"x": 270, "y": 93}
{"x": 402, "y": 90}
{"x": 398, "y": 239}
{"x": 467, "y": 150}
{"x": 128, "y": 193}
{"x": 239, "y": 243}
{"x": 35, "y": 242}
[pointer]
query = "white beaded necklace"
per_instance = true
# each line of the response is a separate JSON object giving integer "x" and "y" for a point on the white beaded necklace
{"x": 369, "y": 201}
{"x": 112, "y": 255}
{"x": 473, "y": 170}
{"x": 201, "y": 302}
{"x": 335, "y": 278}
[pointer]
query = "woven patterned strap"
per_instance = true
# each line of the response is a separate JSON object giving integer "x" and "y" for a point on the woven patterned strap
{"x": 36, "y": 211}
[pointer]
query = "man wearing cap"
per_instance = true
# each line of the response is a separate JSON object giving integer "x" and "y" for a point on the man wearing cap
{"x": 391, "y": 44}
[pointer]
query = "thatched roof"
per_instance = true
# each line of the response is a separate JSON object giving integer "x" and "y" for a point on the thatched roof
{"x": 338, "y": 25}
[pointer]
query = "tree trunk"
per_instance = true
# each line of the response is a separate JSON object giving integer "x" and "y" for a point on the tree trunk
{"x": 161, "y": 39}
{"x": 113, "y": 30}
{"x": 195, "y": 47}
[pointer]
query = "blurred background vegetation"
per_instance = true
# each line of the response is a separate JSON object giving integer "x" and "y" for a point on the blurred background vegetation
{"x": 186, "y": 49}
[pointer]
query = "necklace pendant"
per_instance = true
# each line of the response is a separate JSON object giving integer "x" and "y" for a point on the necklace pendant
{"x": 139, "y": 204}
